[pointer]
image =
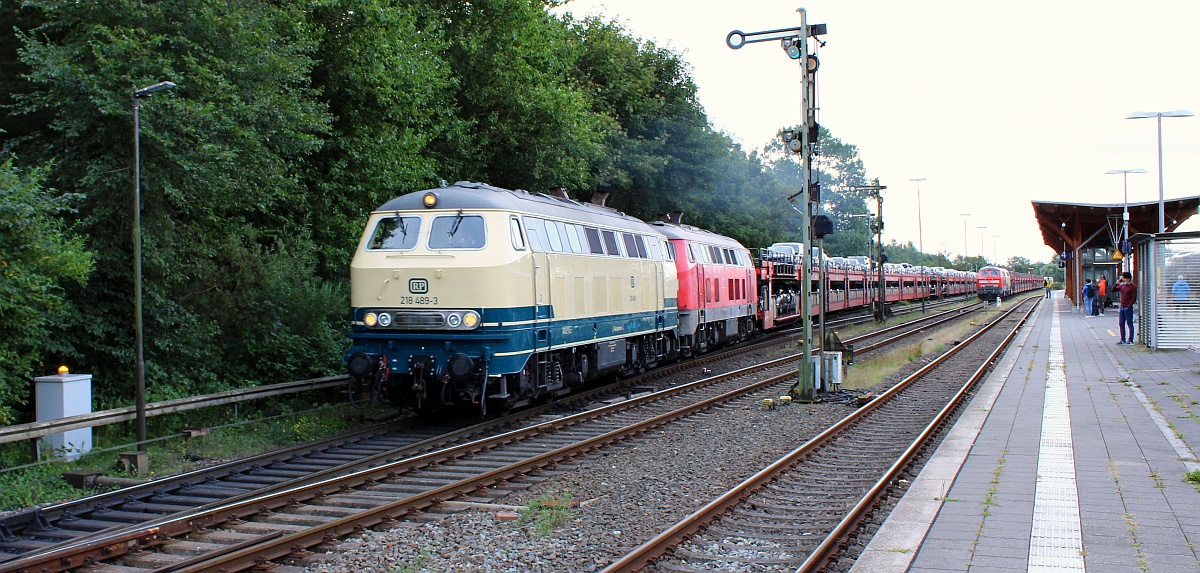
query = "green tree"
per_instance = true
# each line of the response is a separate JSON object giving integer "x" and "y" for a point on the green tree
{"x": 391, "y": 95}
{"x": 223, "y": 201}
{"x": 525, "y": 124}
{"x": 1020, "y": 264}
{"x": 38, "y": 253}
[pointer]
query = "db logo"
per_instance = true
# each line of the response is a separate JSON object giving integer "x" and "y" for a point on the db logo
{"x": 418, "y": 286}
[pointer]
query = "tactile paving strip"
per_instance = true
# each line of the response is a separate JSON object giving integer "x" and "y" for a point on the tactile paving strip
{"x": 1056, "y": 543}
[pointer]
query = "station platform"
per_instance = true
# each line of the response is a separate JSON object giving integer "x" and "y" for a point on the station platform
{"x": 1071, "y": 457}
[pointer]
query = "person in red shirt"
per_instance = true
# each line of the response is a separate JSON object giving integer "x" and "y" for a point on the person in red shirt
{"x": 1102, "y": 289}
{"x": 1128, "y": 293}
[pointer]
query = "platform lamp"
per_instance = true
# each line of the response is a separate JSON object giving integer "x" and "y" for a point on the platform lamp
{"x": 140, "y": 390}
{"x": 1125, "y": 214}
{"x": 921, "y": 242}
{"x": 1162, "y": 227}
{"x": 966, "y": 252}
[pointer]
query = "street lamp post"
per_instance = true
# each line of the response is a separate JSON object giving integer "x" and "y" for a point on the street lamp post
{"x": 140, "y": 390}
{"x": 921, "y": 242}
{"x": 1125, "y": 214}
{"x": 966, "y": 252}
{"x": 982, "y": 255}
{"x": 1162, "y": 227}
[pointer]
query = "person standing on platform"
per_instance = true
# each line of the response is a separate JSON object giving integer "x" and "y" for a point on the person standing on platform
{"x": 1046, "y": 283}
{"x": 1128, "y": 296}
{"x": 1102, "y": 289}
{"x": 1089, "y": 298}
{"x": 1180, "y": 291}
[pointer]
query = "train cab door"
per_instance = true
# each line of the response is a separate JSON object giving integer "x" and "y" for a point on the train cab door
{"x": 542, "y": 301}
{"x": 659, "y": 288}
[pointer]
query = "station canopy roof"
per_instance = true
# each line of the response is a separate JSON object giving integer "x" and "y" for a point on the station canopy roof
{"x": 1069, "y": 224}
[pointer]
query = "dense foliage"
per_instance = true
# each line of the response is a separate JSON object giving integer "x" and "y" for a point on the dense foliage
{"x": 293, "y": 119}
{"x": 38, "y": 253}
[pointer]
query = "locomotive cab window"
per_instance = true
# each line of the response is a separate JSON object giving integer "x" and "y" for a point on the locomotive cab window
{"x": 457, "y": 232}
{"x": 395, "y": 234}
{"x": 514, "y": 231}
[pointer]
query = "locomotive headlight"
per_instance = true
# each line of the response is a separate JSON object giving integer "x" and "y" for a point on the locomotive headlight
{"x": 471, "y": 319}
{"x": 385, "y": 319}
{"x": 453, "y": 320}
{"x": 370, "y": 319}
{"x": 429, "y": 200}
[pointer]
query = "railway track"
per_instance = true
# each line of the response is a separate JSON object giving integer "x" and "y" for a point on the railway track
{"x": 402, "y": 478}
{"x": 797, "y": 513}
{"x": 45, "y": 529}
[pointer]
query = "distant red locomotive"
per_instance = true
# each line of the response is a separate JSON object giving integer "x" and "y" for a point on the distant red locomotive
{"x": 993, "y": 281}
{"x": 717, "y": 296}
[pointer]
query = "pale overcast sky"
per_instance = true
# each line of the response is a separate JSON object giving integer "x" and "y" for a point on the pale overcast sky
{"x": 994, "y": 104}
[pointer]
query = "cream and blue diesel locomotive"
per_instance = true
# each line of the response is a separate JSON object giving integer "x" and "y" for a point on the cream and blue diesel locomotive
{"x": 475, "y": 295}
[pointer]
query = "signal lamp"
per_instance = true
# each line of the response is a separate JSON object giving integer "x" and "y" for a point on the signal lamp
{"x": 791, "y": 46}
{"x": 430, "y": 200}
{"x": 63, "y": 369}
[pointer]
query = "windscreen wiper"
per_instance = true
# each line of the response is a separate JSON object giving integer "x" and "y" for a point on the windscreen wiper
{"x": 457, "y": 222}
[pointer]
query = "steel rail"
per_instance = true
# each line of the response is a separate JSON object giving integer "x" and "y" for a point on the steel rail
{"x": 668, "y": 539}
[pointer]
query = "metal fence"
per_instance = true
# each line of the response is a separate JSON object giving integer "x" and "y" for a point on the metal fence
{"x": 44, "y": 428}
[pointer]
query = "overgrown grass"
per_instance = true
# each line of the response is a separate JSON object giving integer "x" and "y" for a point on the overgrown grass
{"x": 869, "y": 372}
{"x": 415, "y": 566}
{"x": 547, "y": 511}
{"x": 1193, "y": 477}
{"x": 248, "y": 430}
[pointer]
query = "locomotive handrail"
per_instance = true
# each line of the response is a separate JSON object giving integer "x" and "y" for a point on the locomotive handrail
{"x": 104, "y": 417}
